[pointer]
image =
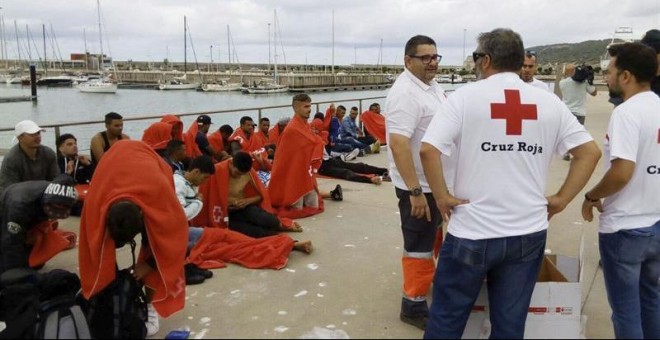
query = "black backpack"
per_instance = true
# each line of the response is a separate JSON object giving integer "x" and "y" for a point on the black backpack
{"x": 41, "y": 306}
{"x": 120, "y": 310}
{"x": 60, "y": 316}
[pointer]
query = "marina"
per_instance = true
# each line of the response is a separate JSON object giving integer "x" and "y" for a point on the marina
{"x": 350, "y": 286}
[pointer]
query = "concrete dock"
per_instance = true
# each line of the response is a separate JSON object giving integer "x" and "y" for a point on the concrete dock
{"x": 350, "y": 286}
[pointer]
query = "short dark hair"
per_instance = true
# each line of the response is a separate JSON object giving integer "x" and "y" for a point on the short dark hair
{"x": 124, "y": 221}
{"x": 204, "y": 163}
{"x": 319, "y": 115}
{"x": 64, "y": 137}
{"x": 373, "y": 105}
{"x": 301, "y": 97}
{"x": 354, "y": 108}
{"x": 245, "y": 119}
{"x": 110, "y": 116}
{"x": 174, "y": 145}
{"x": 242, "y": 161}
{"x": 505, "y": 48}
{"x": 264, "y": 119}
{"x": 226, "y": 129}
{"x": 341, "y": 107}
{"x": 411, "y": 45}
{"x": 636, "y": 58}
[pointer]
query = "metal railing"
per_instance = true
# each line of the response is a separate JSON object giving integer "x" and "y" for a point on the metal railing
{"x": 57, "y": 127}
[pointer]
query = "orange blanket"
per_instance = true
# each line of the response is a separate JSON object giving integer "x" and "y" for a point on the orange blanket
{"x": 274, "y": 135}
{"x": 262, "y": 138}
{"x": 375, "y": 125}
{"x": 48, "y": 242}
{"x": 145, "y": 179}
{"x": 177, "y": 125}
{"x": 248, "y": 144}
{"x": 215, "y": 139}
{"x": 216, "y": 195}
{"x": 329, "y": 113}
{"x": 157, "y": 135}
{"x": 220, "y": 245}
{"x": 192, "y": 150}
{"x": 298, "y": 156}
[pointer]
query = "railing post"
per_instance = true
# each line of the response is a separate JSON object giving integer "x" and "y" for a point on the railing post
{"x": 57, "y": 135}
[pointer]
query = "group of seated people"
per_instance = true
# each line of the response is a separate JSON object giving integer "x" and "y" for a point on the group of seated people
{"x": 228, "y": 196}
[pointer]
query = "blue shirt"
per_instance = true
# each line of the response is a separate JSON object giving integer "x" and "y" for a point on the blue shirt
{"x": 349, "y": 129}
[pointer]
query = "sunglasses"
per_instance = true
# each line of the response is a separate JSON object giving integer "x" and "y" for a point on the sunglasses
{"x": 477, "y": 55}
{"x": 427, "y": 58}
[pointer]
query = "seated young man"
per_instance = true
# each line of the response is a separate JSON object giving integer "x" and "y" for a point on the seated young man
{"x": 137, "y": 197}
{"x": 80, "y": 167}
{"x": 175, "y": 155}
{"x": 219, "y": 140}
{"x": 374, "y": 123}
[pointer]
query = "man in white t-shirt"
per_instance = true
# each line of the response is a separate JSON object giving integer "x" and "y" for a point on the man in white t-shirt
{"x": 413, "y": 100}
{"x": 629, "y": 233}
{"x": 505, "y": 134}
{"x": 528, "y": 70}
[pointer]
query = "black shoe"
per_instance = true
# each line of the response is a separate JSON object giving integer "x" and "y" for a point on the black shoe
{"x": 193, "y": 276}
{"x": 196, "y": 270}
{"x": 337, "y": 194}
{"x": 418, "y": 321}
{"x": 206, "y": 273}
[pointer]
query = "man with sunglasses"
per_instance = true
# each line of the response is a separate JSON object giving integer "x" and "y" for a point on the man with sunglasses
{"x": 414, "y": 99}
{"x": 529, "y": 69}
{"x": 504, "y": 133}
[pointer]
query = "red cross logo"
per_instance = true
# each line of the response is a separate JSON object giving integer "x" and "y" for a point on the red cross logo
{"x": 513, "y": 111}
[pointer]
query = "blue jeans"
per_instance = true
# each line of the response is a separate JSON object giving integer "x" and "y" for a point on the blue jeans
{"x": 511, "y": 265}
{"x": 353, "y": 142}
{"x": 631, "y": 268}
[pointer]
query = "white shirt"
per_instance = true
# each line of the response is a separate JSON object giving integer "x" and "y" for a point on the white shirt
{"x": 187, "y": 196}
{"x": 410, "y": 106}
{"x": 574, "y": 95}
{"x": 634, "y": 134}
{"x": 501, "y": 167}
{"x": 537, "y": 83}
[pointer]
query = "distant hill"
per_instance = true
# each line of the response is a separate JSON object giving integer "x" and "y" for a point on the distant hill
{"x": 588, "y": 52}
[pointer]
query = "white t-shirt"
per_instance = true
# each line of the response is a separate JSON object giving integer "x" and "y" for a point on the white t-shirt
{"x": 502, "y": 164}
{"x": 187, "y": 196}
{"x": 634, "y": 134}
{"x": 537, "y": 83}
{"x": 410, "y": 106}
{"x": 574, "y": 95}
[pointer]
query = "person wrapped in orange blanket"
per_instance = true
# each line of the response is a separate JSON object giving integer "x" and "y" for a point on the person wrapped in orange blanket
{"x": 142, "y": 186}
{"x": 275, "y": 133}
{"x": 219, "y": 140}
{"x": 374, "y": 123}
{"x": 293, "y": 189}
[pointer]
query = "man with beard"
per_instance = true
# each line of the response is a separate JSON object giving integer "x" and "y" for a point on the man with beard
{"x": 504, "y": 133}
{"x": 629, "y": 232}
{"x": 413, "y": 100}
{"x": 102, "y": 141}
{"x": 528, "y": 70}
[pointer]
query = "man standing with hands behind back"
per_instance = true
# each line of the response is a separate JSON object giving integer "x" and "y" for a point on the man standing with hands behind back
{"x": 411, "y": 103}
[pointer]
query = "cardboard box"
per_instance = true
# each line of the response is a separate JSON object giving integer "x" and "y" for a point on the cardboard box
{"x": 556, "y": 305}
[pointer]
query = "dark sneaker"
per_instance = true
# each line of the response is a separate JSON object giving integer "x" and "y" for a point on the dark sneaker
{"x": 193, "y": 275}
{"x": 386, "y": 177}
{"x": 337, "y": 194}
{"x": 418, "y": 321}
{"x": 360, "y": 153}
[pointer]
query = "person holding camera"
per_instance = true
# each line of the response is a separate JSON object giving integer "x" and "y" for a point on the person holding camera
{"x": 573, "y": 91}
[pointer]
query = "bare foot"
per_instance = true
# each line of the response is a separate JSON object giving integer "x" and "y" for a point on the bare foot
{"x": 304, "y": 246}
{"x": 376, "y": 180}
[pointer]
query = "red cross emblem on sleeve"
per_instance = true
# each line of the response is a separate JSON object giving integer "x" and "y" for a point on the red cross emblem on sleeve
{"x": 513, "y": 112}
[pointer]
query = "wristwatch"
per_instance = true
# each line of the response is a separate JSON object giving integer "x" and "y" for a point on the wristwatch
{"x": 416, "y": 191}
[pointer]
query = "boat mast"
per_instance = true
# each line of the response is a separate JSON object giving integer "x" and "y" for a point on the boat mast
{"x": 275, "y": 45}
{"x": 43, "y": 28}
{"x": 185, "y": 46}
{"x": 98, "y": 13}
{"x": 228, "y": 50}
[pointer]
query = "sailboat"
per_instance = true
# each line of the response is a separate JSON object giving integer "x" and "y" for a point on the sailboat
{"x": 102, "y": 84}
{"x": 181, "y": 83}
{"x": 621, "y": 35}
{"x": 223, "y": 84}
{"x": 268, "y": 85}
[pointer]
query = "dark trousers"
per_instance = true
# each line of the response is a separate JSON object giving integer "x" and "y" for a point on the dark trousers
{"x": 14, "y": 252}
{"x": 335, "y": 167}
{"x": 254, "y": 221}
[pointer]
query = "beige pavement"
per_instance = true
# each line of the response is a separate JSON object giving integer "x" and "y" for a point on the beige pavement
{"x": 350, "y": 286}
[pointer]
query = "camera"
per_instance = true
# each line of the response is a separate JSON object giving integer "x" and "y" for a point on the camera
{"x": 584, "y": 72}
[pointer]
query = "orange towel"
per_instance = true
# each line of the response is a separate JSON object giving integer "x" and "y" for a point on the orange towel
{"x": 375, "y": 125}
{"x": 248, "y": 144}
{"x": 48, "y": 242}
{"x": 144, "y": 178}
{"x": 298, "y": 156}
{"x": 157, "y": 135}
{"x": 177, "y": 125}
{"x": 215, "y": 139}
{"x": 192, "y": 150}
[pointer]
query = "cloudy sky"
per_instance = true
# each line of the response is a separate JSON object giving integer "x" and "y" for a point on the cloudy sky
{"x": 153, "y": 29}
